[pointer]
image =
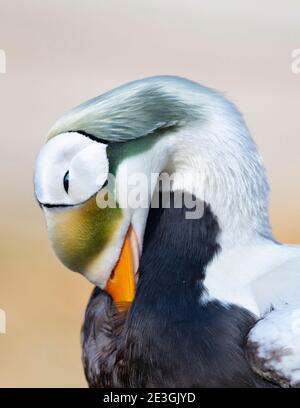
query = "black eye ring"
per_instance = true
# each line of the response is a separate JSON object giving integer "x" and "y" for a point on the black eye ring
{"x": 66, "y": 182}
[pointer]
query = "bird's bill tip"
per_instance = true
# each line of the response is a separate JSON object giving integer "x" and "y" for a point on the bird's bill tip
{"x": 122, "y": 282}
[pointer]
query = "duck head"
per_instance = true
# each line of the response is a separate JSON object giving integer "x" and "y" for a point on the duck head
{"x": 98, "y": 171}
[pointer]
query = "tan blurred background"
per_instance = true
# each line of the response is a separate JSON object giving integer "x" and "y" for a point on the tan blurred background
{"x": 61, "y": 52}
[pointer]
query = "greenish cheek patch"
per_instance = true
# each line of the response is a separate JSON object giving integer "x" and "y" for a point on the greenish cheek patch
{"x": 80, "y": 234}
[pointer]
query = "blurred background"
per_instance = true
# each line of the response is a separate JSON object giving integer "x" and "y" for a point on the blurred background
{"x": 62, "y": 52}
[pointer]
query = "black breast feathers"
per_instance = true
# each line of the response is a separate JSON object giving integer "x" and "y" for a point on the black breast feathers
{"x": 172, "y": 335}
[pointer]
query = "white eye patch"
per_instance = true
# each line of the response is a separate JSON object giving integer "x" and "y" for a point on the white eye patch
{"x": 84, "y": 159}
{"x": 88, "y": 171}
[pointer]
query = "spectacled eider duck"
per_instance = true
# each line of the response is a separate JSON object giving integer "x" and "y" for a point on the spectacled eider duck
{"x": 209, "y": 301}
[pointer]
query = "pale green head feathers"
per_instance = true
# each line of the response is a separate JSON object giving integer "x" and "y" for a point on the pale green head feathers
{"x": 133, "y": 110}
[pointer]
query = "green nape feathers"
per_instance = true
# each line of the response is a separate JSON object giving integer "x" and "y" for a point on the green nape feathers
{"x": 131, "y": 111}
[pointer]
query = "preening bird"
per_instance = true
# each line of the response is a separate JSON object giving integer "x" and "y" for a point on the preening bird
{"x": 180, "y": 300}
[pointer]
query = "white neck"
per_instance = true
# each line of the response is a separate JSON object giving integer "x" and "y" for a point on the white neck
{"x": 229, "y": 174}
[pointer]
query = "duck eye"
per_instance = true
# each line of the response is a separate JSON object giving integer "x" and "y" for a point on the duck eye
{"x": 66, "y": 182}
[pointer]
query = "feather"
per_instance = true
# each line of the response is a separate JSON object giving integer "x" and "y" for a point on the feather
{"x": 131, "y": 111}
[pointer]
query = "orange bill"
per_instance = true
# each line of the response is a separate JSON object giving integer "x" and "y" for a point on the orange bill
{"x": 121, "y": 284}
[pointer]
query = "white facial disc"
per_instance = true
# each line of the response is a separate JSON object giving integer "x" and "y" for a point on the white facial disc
{"x": 82, "y": 160}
